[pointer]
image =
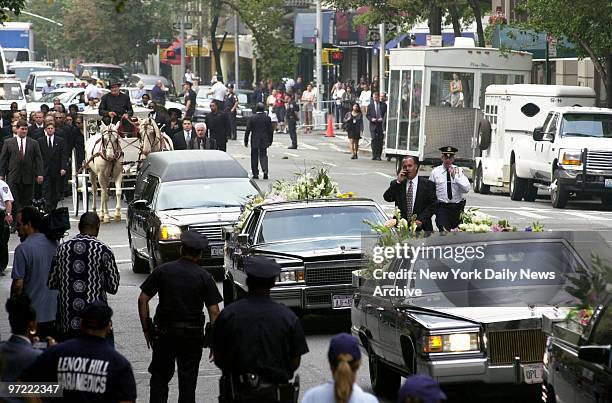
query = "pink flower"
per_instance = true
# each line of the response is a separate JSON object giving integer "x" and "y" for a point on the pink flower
{"x": 496, "y": 228}
{"x": 391, "y": 223}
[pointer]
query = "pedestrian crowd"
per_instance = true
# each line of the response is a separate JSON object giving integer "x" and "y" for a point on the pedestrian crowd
{"x": 62, "y": 329}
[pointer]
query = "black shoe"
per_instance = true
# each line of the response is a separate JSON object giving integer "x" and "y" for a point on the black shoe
{"x": 265, "y": 176}
{"x": 255, "y": 177}
{"x": 292, "y": 148}
{"x": 373, "y": 158}
{"x": 354, "y": 157}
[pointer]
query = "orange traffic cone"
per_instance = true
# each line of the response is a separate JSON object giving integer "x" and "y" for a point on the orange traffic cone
{"x": 330, "y": 127}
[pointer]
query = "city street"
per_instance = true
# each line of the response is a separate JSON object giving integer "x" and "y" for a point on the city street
{"x": 364, "y": 177}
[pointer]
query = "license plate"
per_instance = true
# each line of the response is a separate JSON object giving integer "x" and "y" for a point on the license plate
{"x": 342, "y": 301}
{"x": 532, "y": 373}
{"x": 608, "y": 183}
{"x": 216, "y": 251}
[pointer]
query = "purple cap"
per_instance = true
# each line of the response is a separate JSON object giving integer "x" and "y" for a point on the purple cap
{"x": 423, "y": 387}
{"x": 343, "y": 343}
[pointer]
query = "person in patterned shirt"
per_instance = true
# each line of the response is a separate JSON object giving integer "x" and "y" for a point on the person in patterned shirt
{"x": 83, "y": 270}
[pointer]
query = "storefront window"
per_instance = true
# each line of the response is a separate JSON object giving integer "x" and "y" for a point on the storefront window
{"x": 500, "y": 79}
{"x": 454, "y": 89}
{"x": 393, "y": 109}
{"x": 415, "y": 114}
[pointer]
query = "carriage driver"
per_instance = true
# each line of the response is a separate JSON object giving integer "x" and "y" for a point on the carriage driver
{"x": 116, "y": 106}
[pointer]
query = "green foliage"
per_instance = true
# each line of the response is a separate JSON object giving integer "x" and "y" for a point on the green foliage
{"x": 14, "y": 8}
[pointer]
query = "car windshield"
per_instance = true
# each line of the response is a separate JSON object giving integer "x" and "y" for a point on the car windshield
{"x": 587, "y": 125}
{"x": 17, "y": 55}
{"x": 63, "y": 96}
{"x": 105, "y": 73}
{"x": 203, "y": 93}
{"x": 219, "y": 192}
{"x": 521, "y": 273}
{"x": 22, "y": 73}
{"x": 56, "y": 81}
{"x": 317, "y": 222}
{"x": 11, "y": 91}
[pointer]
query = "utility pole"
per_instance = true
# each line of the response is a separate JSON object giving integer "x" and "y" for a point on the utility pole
{"x": 236, "y": 53}
{"x": 381, "y": 58}
{"x": 319, "y": 54}
{"x": 182, "y": 72}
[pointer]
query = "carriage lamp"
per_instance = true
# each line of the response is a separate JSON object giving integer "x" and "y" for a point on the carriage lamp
{"x": 571, "y": 157}
{"x": 451, "y": 343}
{"x": 169, "y": 232}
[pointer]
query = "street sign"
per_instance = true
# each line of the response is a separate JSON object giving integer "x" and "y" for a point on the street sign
{"x": 160, "y": 41}
{"x": 434, "y": 41}
{"x": 186, "y": 25}
{"x": 552, "y": 47}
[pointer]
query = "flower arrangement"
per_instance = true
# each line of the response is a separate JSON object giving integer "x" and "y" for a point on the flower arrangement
{"x": 396, "y": 229}
{"x": 306, "y": 185}
{"x": 472, "y": 220}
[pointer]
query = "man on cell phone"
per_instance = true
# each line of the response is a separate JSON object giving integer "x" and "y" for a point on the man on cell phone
{"x": 414, "y": 196}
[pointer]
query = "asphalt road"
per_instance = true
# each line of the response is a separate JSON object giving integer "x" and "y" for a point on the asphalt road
{"x": 366, "y": 178}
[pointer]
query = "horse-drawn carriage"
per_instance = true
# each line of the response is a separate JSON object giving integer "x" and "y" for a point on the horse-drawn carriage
{"x": 112, "y": 154}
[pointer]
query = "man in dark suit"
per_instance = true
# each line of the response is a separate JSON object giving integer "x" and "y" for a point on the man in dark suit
{"x": 156, "y": 113}
{"x": 37, "y": 130}
{"x": 218, "y": 126}
{"x": 201, "y": 141}
{"x": 55, "y": 164}
{"x": 376, "y": 115}
{"x": 413, "y": 195}
{"x": 182, "y": 139}
{"x": 260, "y": 125}
{"x": 21, "y": 165}
{"x": 9, "y": 131}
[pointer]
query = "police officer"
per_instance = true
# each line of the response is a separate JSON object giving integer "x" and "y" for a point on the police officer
{"x": 257, "y": 342}
{"x": 451, "y": 185}
{"x": 178, "y": 332}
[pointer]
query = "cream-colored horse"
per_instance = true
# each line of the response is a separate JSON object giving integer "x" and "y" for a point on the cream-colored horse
{"x": 152, "y": 139}
{"x": 104, "y": 158}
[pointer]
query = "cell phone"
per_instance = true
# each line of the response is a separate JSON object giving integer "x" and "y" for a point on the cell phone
{"x": 40, "y": 345}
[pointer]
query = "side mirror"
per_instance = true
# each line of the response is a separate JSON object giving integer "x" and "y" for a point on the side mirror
{"x": 140, "y": 204}
{"x": 28, "y": 87}
{"x": 595, "y": 354}
{"x": 538, "y": 134}
{"x": 243, "y": 239}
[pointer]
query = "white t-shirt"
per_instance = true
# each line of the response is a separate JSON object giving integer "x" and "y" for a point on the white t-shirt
{"x": 219, "y": 91}
{"x": 5, "y": 194}
{"x": 365, "y": 97}
{"x": 325, "y": 394}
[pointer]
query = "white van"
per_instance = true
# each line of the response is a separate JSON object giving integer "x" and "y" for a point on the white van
{"x": 11, "y": 90}
{"x": 38, "y": 79}
{"x": 511, "y": 113}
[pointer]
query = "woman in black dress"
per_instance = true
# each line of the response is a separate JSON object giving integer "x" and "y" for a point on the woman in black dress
{"x": 353, "y": 124}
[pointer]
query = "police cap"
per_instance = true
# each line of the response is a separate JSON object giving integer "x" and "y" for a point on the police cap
{"x": 194, "y": 240}
{"x": 448, "y": 151}
{"x": 261, "y": 267}
{"x": 96, "y": 315}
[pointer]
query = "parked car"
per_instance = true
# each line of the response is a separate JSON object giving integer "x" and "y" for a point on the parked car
{"x": 102, "y": 71}
{"x": 175, "y": 191}
{"x": 66, "y": 95}
{"x": 467, "y": 330}
{"x": 11, "y": 90}
{"x": 38, "y": 79}
{"x": 150, "y": 80}
{"x": 578, "y": 362}
{"x": 317, "y": 243}
{"x": 23, "y": 69}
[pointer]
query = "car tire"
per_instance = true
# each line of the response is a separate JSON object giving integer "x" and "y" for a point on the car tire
{"x": 531, "y": 192}
{"x": 385, "y": 382}
{"x": 484, "y": 134}
{"x": 229, "y": 291}
{"x": 517, "y": 185}
{"x": 479, "y": 186}
{"x": 606, "y": 199}
{"x": 558, "y": 196}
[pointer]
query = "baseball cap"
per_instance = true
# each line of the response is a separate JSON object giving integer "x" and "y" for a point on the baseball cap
{"x": 343, "y": 343}
{"x": 96, "y": 315}
{"x": 423, "y": 387}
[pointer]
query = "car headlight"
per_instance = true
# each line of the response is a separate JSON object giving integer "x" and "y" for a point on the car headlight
{"x": 451, "y": 343}
{"x": 169, "y": 232}
{"x": 291, "y": 276}
{"x": 571, "y": 157}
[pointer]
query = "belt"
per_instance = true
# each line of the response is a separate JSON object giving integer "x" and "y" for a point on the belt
{"x": 461, "y": 203}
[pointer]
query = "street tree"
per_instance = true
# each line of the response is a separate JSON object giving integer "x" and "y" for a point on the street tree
{"x": 585, "y": 23}
{"x": 8, "y": 8}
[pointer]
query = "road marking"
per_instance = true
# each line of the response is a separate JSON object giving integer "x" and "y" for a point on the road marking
{"x": 291, "y": 154}
{"x": 385, "y": 175}
{"x": 328, "y": 163}
{"x": 529, "y": 214}
{"x": 336, "y": 148}
{"x": 585, "y": 216}
{"x": 308, "y": 146}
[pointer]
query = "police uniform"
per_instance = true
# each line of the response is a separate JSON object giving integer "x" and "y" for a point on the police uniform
{"x": 255, "y": 339}
{"x": 5, "y": 196}
{"x": 184, "y": 288}
{"x": 451, "y": 185}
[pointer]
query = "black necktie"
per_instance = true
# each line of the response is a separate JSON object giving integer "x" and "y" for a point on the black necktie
{"x": 50, "y": 146}
{"x": 449, "y": 190}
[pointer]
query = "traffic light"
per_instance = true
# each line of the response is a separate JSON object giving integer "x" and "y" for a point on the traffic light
{"x": 332, "y": 56}
{"x": 337, "y": 56}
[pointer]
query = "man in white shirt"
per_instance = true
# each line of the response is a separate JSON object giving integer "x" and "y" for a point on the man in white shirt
{"x": 48, "y": 87}
{"x": 92, "y": 91}
{"x": 218, "y": 91}
{"x": 451, "y": 185}
{"x": 6, "y": 219}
